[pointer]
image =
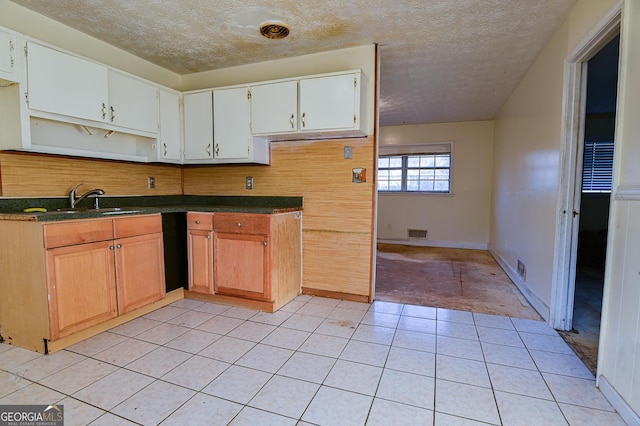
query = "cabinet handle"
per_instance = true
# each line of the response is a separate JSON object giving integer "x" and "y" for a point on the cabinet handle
{"x": 217, "y": 150}
{"x": 113, "y": 113}
{"x": 104, "y": 111}
{"x": 118, "y": 245}
{"x": 208, "y": 237}
{"x": 209, "y": 150}
{"x": 304, "y": 114}
{"x": 264, "y": 243}
{"x": 164, "y": 145}
{"x": 291, "y": 121}
{"x": 197, "y": 222}
{"x": 239, "y": 224}
{"x": 112, "y": 248}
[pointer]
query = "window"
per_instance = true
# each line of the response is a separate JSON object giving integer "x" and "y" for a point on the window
{"x": 419, "y": 172}
{"x": 597, "y": 167}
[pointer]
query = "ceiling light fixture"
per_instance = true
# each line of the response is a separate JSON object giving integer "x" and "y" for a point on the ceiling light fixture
{"x": 274, "y": 30}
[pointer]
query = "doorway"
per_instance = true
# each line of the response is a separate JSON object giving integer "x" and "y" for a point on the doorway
{"x": 593, "y": 182}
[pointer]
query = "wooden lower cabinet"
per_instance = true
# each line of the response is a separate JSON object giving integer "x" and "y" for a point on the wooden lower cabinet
{"x": 59, "y": 278}
{"x": 139, "y": 266}
{"x": 200, "y": 252}
{"x": 242, "y": 265}
{"x": 258, "y": 256}
{"x": 82, "y": 287}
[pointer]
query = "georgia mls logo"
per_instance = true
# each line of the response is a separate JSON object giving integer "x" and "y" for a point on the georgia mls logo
{"x": 31, "y": 415}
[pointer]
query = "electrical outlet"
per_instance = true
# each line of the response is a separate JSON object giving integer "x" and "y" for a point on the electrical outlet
{"x": 249, "y": 182}
{"x": 151, "y": 182}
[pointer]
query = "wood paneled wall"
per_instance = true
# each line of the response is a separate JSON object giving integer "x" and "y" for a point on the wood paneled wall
{"x": 338, "y": 214}
{"x": 34, "y": 175}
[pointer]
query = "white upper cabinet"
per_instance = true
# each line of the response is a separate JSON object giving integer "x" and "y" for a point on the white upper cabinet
{"x": 231, "y": 123}
{"x": 67, "y": 85}
{"x": 9, "y": 56}
{"x": 198, "y": 125}
{"x": 330, "y": 103}
{"x": 274, "y": 108}
{"x": 133, "y": 103}
{"x": 169, "y": 141}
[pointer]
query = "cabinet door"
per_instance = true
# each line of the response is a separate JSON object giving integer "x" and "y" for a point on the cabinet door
{"x": 274, "y": 108}
{"x": 242, "y": 265}
{"x": 133, "y": 103}
{"x": 139, "y": 271}
{"x": 82, "y": 287}
{"x": 200, "y": 247}
{"x": 7, "y": 56}
{"x": 198, "y": 126}
{"x": 328, "y": 102}
{"x": 169, "y": 143}
{"x": 63, "y": 84}
{"x": 231, "y": 123}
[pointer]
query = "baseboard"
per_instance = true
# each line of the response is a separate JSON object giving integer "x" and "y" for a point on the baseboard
{"x": 531, "y": 296}
{"x": 434, "y": 243}
{"x": 335, "y": 295}
{"x": 621, "y": 406}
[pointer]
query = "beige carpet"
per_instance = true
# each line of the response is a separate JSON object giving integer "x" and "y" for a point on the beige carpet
{"x": 468, "y": 280}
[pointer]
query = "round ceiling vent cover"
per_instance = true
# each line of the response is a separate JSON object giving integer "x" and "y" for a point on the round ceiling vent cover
{"x": 274, "y": 30}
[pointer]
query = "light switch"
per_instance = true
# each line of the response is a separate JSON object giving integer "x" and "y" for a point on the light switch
{"x": 348, "y": 152}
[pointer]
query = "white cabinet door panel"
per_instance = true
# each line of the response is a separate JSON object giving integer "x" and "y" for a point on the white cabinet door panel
{"x": 133, "y": 103}
{"x": 327, "y": 103}
{"x": 231, "y": 128}
{"x": 63, "y": 84}
{"x": 198, "y": 126}
{"x": 169, "y": 141}
{"x": 274, "y": 108}
{"x": 7, "y": 55}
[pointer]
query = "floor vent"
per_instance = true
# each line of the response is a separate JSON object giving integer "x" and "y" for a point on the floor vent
{"x": 522, "y": 270}
{"x": 420, "y": 234}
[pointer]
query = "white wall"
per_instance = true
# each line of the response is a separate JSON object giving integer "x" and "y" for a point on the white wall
{"x": 457, "y": 220}
{"x": 619, "y": 357}
{"x": 527, "y": 159}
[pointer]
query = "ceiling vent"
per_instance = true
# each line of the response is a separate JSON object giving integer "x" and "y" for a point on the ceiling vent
{"x": 274, "y": 30}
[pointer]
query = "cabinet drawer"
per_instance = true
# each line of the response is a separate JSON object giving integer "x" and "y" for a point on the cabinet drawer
{"x": 76, "y": 232}
{"x": 202, "y": 221}
{"x": 242, "y": 223}
{"x": 138, "y": 225}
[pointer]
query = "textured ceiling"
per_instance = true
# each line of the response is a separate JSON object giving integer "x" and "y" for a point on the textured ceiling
{"x": 441, "y": 60}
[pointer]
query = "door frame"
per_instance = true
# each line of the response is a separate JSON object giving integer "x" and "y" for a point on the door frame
{"x": 569, "y": 191}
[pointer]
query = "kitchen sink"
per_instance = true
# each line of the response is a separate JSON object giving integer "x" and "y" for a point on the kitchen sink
{"x": 104, "y": 210}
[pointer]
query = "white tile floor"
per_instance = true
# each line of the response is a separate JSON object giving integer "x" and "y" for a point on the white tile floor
{"x": 316, "y": 361}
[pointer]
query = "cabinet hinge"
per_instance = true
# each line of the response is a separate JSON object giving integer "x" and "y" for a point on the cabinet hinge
{"x": 355, "y": 119}
{"x": 26, "y": 97}
{"x": 249, "y": 94}
{"x": 355, "y": 81}
{"x": 11, "y": 46}
{"x": 26, "y": 50}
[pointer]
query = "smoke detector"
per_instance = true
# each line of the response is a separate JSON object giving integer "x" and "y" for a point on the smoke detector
{"x": 274, "y": 30}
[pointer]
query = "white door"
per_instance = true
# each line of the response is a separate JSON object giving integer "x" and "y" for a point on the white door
{"x": 63, "y": 84}
{"x": 231, "y": 123}
{"x": 328, "y": 102}
{"x": 169, "y": 140}
{"x": 274, "y": 108}
{"x": 133, "y": 103}
{"x": 198, "y": 126}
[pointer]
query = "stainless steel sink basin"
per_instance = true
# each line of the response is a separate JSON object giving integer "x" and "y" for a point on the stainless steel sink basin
{"x": 105, "y": 210}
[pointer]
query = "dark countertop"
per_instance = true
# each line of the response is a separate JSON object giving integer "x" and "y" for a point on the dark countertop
{"x": 12, "y": 208}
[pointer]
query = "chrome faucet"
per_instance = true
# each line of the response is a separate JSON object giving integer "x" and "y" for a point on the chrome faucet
{"x": 74, "y": 199}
